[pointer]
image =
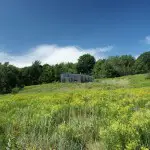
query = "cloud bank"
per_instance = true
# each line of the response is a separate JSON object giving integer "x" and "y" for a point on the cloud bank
{"x": 52, "y": 54}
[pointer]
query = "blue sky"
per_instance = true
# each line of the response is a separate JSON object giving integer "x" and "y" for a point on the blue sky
{"x": 62, "y": 30}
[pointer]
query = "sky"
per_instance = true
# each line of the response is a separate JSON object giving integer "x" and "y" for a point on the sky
{"x": 55, "y": 31}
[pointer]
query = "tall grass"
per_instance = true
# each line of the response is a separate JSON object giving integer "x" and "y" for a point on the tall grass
{"x": 108, "y": 115}
{"x": 81, "y": 120}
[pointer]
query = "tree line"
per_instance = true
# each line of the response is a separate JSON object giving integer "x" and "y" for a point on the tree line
{"x": 114, "y": 66}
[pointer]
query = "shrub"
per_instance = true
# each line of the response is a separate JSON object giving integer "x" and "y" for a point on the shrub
{"x": 15, "y": 90}
{"x": 147, "y": 76}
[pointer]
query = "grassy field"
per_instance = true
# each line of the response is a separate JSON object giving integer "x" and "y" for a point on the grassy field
{"x": 108, "y": 114}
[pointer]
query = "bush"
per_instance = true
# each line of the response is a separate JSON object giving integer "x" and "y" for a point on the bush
{"x": 15, "y": 90}
{"x": 147, "y": 76}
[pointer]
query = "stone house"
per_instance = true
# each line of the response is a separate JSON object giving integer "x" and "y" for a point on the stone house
{"x": 68, "y": 77}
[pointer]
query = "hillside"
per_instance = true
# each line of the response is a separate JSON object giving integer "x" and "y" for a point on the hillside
{"x": 112, "y": 114}
{"x": 132, "y": 81}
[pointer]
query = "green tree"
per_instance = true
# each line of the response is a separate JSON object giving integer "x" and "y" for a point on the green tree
{"x": 97, "y": 71}
{"x": 36, "y": 71}
{"x": 9, "y": 77}
{"x": 26, "y": 75}
{"x": 107, "y": 70}
{"x": 86, "y": 64}
{"x": 126, "y": 63}
{"x": 123, "y": 65}
{"x": 31, "y": 75}
{"x": 70, "y": 67}
{"x": 47, "y": 75}
{"x": 142, "y": 64}
{"x": 63, "y": 68}
{"x": 58, "y": 69}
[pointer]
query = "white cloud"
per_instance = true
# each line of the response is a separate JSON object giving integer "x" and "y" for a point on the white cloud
{"x": 104, "y": 49}
{"x": 52, "y": 54}
{"x": 147, "y": 39}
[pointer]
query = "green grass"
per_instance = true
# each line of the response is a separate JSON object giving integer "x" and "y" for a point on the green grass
{"x": 134, "y": 81}
{"x": 111, "y": 114}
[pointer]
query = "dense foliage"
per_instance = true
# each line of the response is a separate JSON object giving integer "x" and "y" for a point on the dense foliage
{"x": 142, "y": 64}
{"x": 9, "y": 77}
{"x": 12, "y": 77}
{"x": 110, "y": 114}
{"x": 85, "y": 64}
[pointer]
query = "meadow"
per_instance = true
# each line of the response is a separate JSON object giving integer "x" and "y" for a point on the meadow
{"x": 108, "y": 114}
